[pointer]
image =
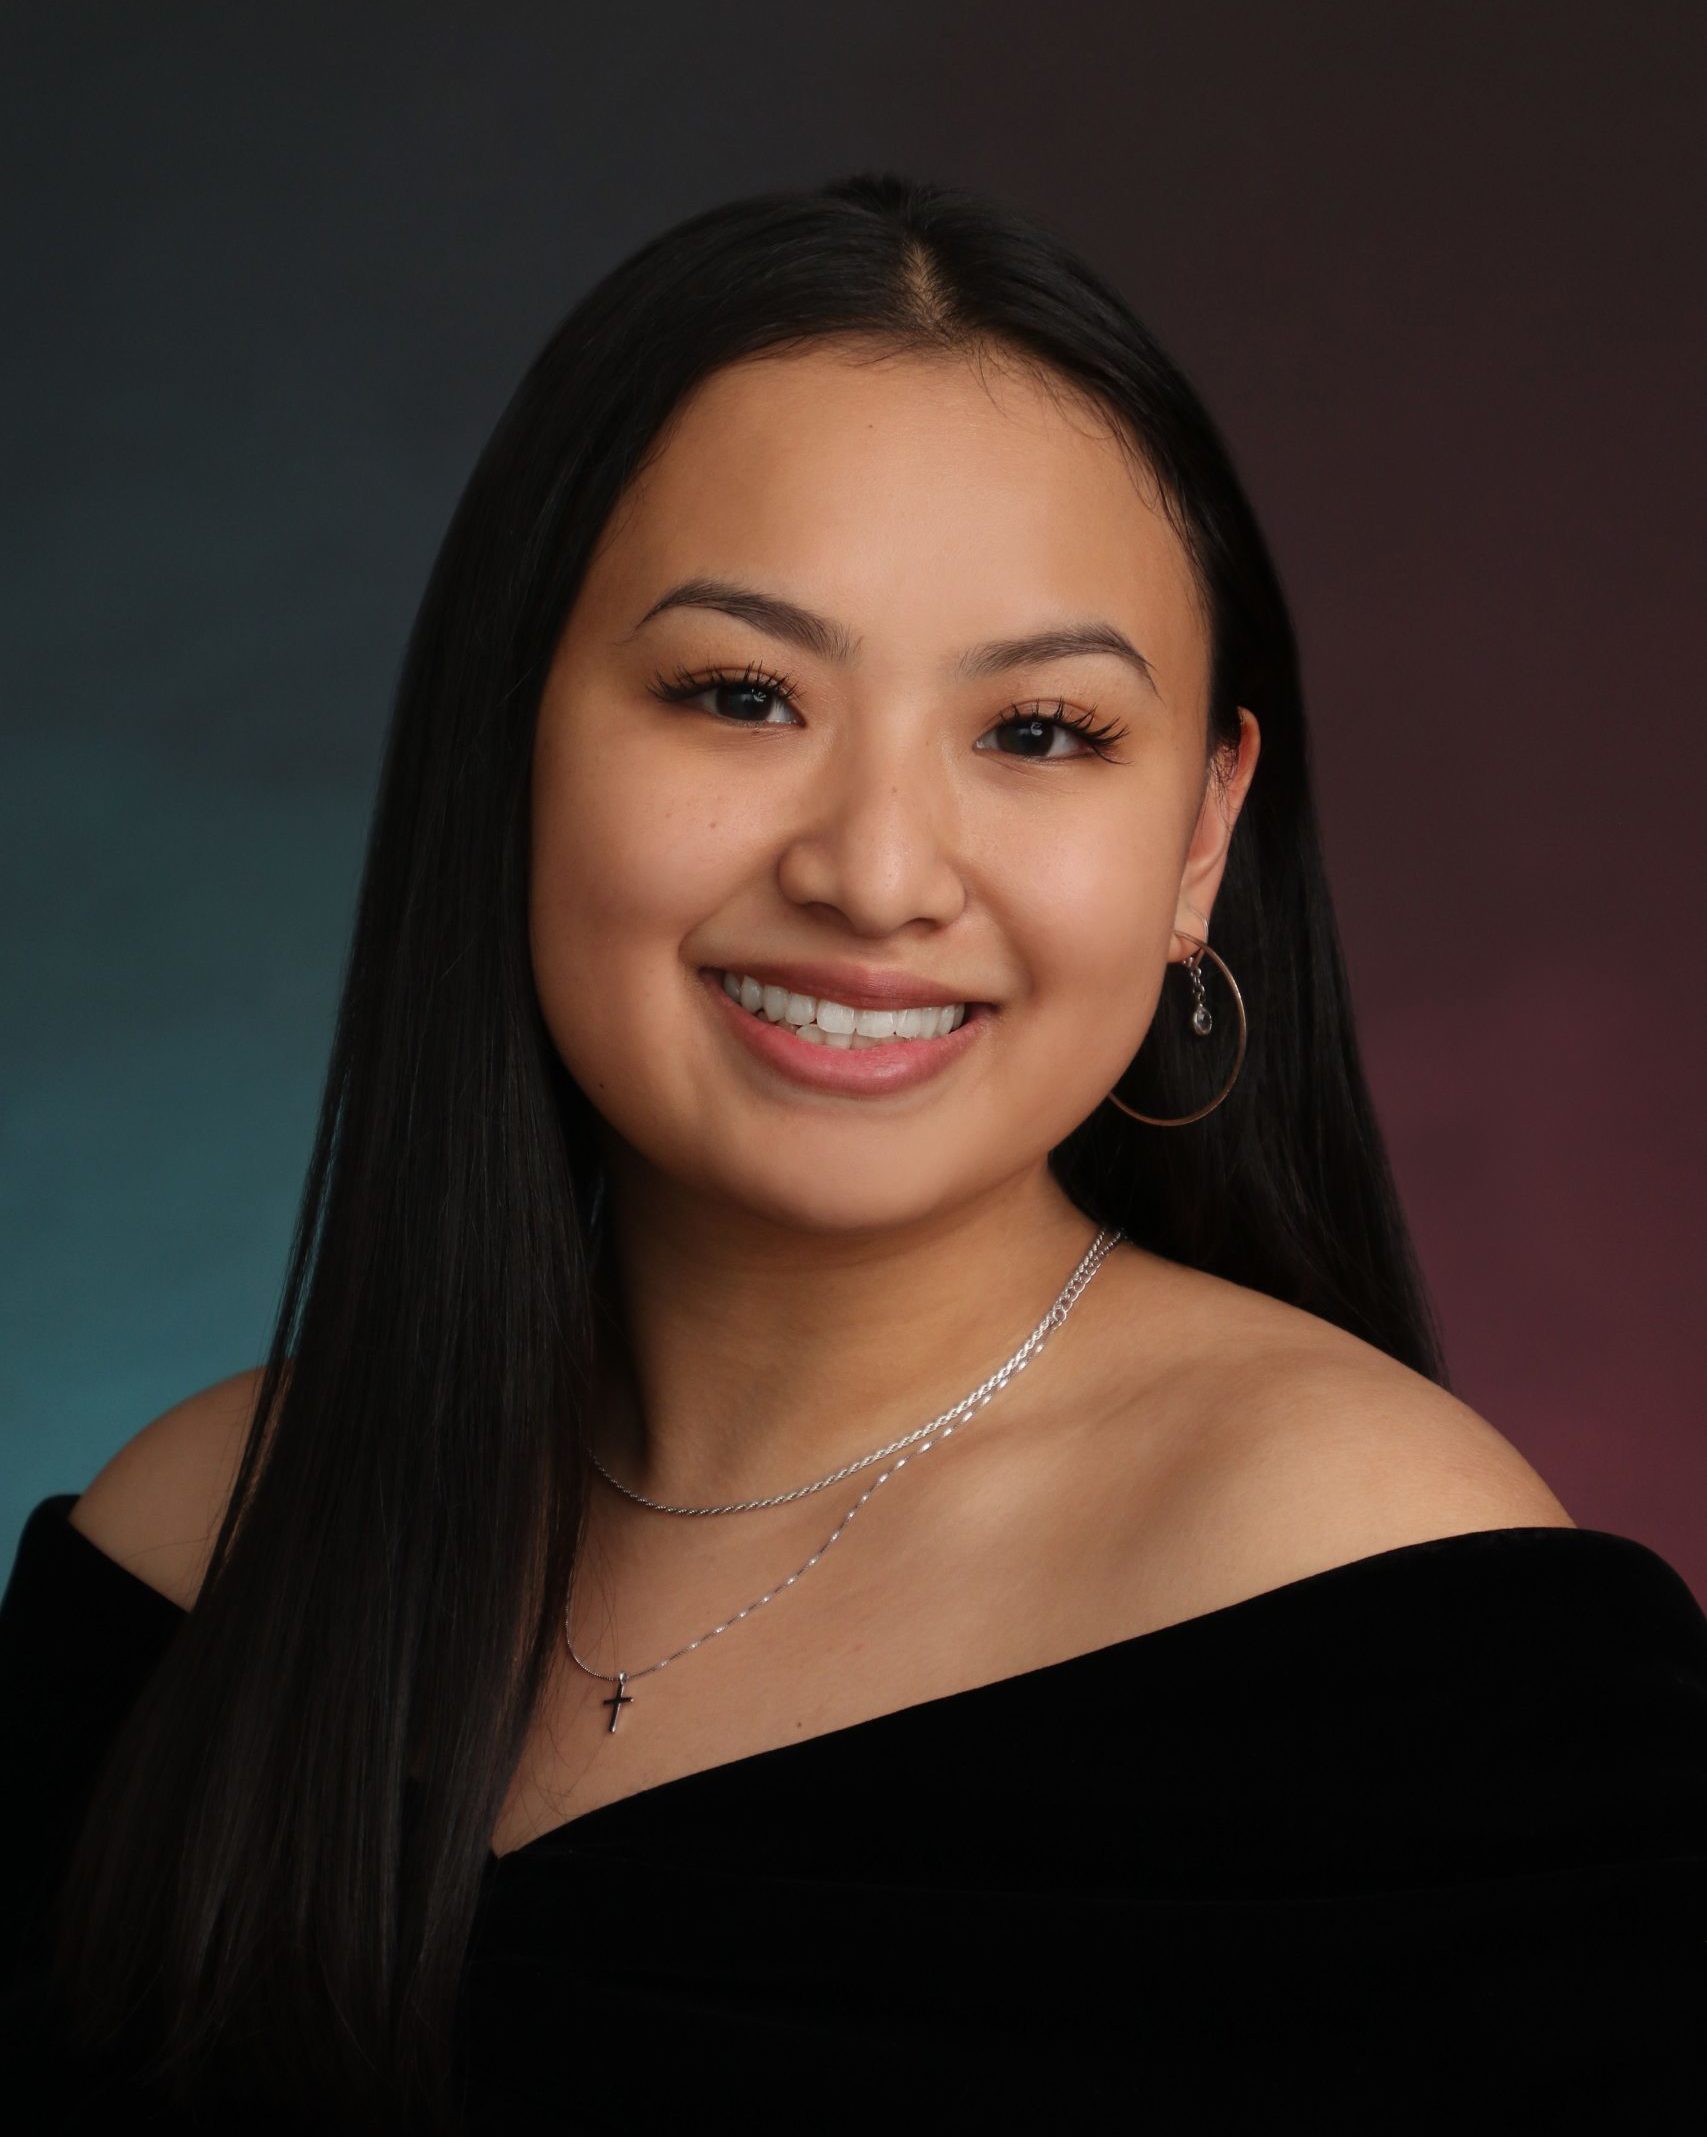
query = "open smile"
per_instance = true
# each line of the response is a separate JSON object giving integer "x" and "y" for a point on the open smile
{"x": 835, "y": 1046}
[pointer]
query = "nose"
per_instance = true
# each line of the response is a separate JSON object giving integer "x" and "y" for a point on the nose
{"x": 876, "y": 839}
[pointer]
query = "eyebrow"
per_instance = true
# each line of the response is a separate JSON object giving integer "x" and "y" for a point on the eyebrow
{"x": 829, "y": 640}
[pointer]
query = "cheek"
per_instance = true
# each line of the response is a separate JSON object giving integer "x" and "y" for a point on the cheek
{"x": 1095, "y": 930}
{"x": 612, "y": 874}
{"x": 625, "y": 864}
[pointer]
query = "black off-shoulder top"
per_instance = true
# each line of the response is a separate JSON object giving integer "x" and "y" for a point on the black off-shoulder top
{"x": 1415, "y": 1843}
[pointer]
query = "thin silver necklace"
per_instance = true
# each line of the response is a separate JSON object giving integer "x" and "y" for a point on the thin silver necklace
{"x": 979, "y": 1395}
{"x": 924, "y": 1438}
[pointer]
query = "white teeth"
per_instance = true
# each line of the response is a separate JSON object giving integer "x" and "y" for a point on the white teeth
{"x": 838, "y": 1018}
{"x": 827, "y": 1023}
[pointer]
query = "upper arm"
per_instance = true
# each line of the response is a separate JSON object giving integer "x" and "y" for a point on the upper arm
{"x": 157, "y": 1505}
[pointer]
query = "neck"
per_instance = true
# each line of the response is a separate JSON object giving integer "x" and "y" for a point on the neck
{"x": 749, "y": 1357}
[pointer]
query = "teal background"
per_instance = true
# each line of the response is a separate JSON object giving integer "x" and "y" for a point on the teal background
{"x": 161, "y": 1091}
{"x": 269, "y": 277}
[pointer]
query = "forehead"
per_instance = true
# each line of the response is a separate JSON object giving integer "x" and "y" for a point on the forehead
{"x": 911, "y": 496}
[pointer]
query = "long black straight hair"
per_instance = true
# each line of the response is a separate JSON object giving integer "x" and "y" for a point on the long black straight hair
{"x": 277, "y": 1878}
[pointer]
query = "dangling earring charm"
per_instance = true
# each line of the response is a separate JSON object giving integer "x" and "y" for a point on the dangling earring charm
{"x": 1201, "y": 1021}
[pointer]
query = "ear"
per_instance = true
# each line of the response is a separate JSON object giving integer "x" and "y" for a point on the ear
{"x": 1206, "y": 857}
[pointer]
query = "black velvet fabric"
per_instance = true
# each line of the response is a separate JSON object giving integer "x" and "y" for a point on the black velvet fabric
{"x": 1415, "y": 1843}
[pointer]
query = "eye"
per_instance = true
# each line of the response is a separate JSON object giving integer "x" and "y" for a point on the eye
{"x": 753, "y": 694}
{"x": 750, "y": 697}
{"x": 1036, "y": 732}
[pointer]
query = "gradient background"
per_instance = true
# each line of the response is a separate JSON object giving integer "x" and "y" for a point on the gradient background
{"x": 271, "y": 275}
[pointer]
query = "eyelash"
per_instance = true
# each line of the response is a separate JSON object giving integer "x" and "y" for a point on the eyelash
{"x": 678, "y": 687}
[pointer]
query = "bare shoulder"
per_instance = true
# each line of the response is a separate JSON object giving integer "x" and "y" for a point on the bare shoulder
{"x": 1303, "y": 1447}
{"x": 157, "y": 1504}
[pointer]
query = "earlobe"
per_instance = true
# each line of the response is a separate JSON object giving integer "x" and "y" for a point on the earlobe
{"x": 1189, "y": 931}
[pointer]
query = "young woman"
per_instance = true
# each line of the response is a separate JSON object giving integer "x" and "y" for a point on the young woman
{"x": 783, "y": 1074}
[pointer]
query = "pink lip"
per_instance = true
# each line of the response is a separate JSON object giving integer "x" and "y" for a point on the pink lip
{"x": 867, "y": 1070}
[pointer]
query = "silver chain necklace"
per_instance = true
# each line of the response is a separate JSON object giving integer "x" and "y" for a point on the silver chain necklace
{"x": 980, "y": 1394}
{"x": 923, "y": 1438}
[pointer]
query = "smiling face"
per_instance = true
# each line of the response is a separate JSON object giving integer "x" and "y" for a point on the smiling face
{"x": 790, "y": 733}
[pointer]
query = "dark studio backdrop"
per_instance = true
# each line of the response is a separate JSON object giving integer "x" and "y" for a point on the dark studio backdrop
{"x": 270, "y": 276}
